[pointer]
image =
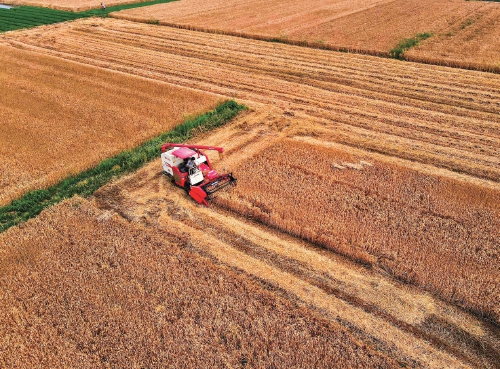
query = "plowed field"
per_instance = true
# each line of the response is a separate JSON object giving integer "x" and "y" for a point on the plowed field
{"x": 368, "y": 200}
{"x": 373, "y": 27}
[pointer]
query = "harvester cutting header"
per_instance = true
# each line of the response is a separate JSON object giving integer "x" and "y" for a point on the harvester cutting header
{"x": 191, "y": 169}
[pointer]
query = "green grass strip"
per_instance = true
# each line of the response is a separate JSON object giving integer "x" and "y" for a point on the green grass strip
{"x": 408, "y": 43}
{"x": 116, "y": 8}
{"x": 32, "y": 16}
{"x": 86, "y": 183}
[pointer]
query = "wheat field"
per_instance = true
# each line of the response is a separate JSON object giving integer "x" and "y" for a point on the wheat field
{"x": 471, "y": 43}
{"x": 59, "y": 118}
{"x": 365, "y": 217}
{"x": 441, "y": 116}
{"x": 132, "y": 297}
{"x": 370, "y": 27}
{"x": 246, "y": 229}
{"x": 426, "y": 230}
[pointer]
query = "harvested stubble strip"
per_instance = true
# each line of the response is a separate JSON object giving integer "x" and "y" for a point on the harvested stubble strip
{"x": 435, "y": 232}
{"x": 401, "y": 110}
{"x": 85, "y": 183}
{"x": 130, "y": 296}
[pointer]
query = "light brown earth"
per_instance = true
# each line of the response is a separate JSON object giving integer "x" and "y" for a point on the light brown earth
{"x": 60, "y": 117}
{"x": 370, "y": 26}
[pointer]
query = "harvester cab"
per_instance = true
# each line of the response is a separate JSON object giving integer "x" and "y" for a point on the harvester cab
{"x": 191, "y": 169}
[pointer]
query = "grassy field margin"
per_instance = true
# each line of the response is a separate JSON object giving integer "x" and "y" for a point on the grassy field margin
{"x": 33, "y": 16}
{"x": 408, "y": 43}
{"x": 85, "y": 183}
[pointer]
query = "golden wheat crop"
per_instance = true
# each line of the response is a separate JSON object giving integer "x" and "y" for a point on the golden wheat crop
{"x": 472, "y": 42}
{"x": 440, "y": 116}
{"x": 410, "y": 325}
{"x": 395, "y": 219}
{"x": 373, "y": 27}
{"x": 60, "y": 118}
{"x": 434, "y": 232}
{"x": 81, "y": 287}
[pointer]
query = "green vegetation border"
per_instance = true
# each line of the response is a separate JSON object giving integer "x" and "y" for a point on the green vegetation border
{"x": 116, "y": 8}
{"x": 32, "y": 16}
{"x": 85, "y": 183}
{"x": 408, "y": 43}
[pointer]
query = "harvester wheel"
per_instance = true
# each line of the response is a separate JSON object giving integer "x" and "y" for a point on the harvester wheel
{"x": 187, "y": 187}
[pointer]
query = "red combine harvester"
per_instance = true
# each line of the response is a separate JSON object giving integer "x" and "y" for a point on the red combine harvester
{"x": 191, "y": 170}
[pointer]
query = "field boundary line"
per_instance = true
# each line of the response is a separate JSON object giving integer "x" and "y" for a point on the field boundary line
{"x": 314, "y": 45}
{"x": 88, "y": 181}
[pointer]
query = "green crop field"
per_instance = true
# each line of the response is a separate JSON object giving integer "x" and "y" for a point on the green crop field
{"x": 31, "y": 16}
